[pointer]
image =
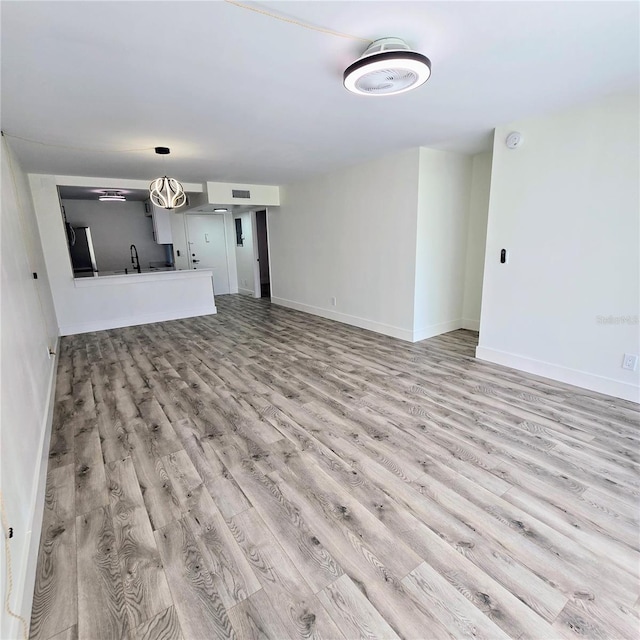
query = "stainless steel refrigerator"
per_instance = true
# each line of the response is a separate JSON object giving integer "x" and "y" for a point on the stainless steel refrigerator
{"x": 83, "y": 257}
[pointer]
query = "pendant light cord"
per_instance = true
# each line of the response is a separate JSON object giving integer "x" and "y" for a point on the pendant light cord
{"x": 298, "y": 23}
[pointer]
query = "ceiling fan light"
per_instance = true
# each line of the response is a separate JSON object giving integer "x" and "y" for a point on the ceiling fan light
{"x": 388, "y": 67}
{"x": 167, "y": 193}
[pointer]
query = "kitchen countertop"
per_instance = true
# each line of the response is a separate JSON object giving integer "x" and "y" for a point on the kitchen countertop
{"x": 129, "y": 271}
{"x": 146, "y": 275}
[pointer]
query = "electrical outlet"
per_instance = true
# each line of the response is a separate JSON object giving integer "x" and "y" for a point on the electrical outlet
{"x": 630, "y": 361}
{"x": 333, "y": 302}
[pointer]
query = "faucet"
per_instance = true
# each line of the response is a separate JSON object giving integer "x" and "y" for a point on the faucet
{"x": 135, "y": 261}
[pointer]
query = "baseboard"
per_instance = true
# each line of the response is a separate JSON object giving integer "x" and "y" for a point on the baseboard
{"x": 363, "y": 323}
{"x": 24, "y": 582}
{"x": 132, "y": 321}
{"x": 472, "y": 325}
{"x": 583, "y": 379}
{"x": 436, "y": 330}
{"x": 246, "y": 292}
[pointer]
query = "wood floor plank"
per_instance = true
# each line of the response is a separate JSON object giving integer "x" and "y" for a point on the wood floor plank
{"x": 352, "y": 612}
{"x": 537, "y": 545}
{"x": 450, "y": 607}
{"x": 302, "y": 614}
{"x": 406, "y": 616}
{"x": 266, "y": 473}
{"x": 54, "y": 607}
{"x": 114, "y": 408}
{"x": 163, "y": 626}
{"x": 102, "y": 609}
{"x": 317, "y": 566}
{"x": 303, "y": 432}
{"x": 183, "y": 474}
{"x": 347, "y": 512}
{"x": 206, "y": 463}
{"x": 579, "y": 529}
{"x": 200, "y": 610}
{"x": 586, "y": 617}
{"x": 232, "y": 575}
{"x": 620, "y": 525}
{"x": 145, "y": 587}
{"x": 158, "y": 494}
{"x": 62, "y": 431}
{"x": 91, "y": 482}
{"x": 68, "y": 634}
{"x": 154, "y": 430}
{"x": 487, "y": 552}
{"x": 486, "y": 586}
{"x": 256, "y": 619}
{"x": 229, "y": 497}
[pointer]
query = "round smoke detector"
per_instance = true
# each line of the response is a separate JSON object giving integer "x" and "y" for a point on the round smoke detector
{"x": 386, "y": 68}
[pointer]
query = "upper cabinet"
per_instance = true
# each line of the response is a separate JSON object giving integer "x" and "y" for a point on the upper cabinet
{"x": 161, "y": 225}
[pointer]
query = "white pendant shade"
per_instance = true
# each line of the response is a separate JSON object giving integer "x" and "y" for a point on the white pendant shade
{"x": 167, "y": 193}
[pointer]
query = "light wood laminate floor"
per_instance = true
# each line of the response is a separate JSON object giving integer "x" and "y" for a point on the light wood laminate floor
{"x": 264, "y": 473}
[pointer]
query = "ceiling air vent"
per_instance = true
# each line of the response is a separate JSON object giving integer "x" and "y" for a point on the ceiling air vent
{"x": 240, "y": 193}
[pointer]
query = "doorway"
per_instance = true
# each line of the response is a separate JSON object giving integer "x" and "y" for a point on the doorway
{"x": 207, "y": 241}
{"x": 263, "y": 253}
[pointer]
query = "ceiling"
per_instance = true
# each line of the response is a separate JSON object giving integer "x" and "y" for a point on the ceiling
{"x": 243, "y": 97}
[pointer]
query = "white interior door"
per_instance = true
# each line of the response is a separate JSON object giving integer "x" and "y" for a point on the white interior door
{"x": 208, "y": 248}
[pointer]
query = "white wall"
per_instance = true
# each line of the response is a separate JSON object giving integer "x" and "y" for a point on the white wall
{"x": 115, "y": 226}
{"x": 441, "y": 241}
{"x": 29, "y": 328}
{"x": 92, "y": 304}
{"x": 476, "y": 240}
{"x": 350, "y": 234}
{"x": 565, "y": 205}
{"x": 245, "y": 257}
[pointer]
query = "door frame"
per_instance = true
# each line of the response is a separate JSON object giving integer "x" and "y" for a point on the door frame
{"x": 226, "y": 242}
{"x": 256, "y": 253}
{"x": 257, "y": 288}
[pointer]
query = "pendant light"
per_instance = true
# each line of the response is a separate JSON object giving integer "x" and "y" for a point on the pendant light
{"x": 165, "y": 192}
{"x": 386, "y": 68}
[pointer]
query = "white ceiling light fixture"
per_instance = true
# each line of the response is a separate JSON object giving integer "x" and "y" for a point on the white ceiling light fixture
{"x": 112, "y": 196}
{"x": 220, "y": 210}
{"x": 165, "y": 192}
{"x": 386, "y": 68}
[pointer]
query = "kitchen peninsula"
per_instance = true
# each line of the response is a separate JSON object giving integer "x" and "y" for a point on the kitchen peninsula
{"x": 109, "y": 301}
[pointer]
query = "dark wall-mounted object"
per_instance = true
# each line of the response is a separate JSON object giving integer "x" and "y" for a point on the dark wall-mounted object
{"x": 239, "y": 238}
{"x": 503, "y": 256}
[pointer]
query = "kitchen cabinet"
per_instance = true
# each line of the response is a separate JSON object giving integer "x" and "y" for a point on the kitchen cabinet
{"x": 161, "y": 225}
{"x": 180, "y": 246}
